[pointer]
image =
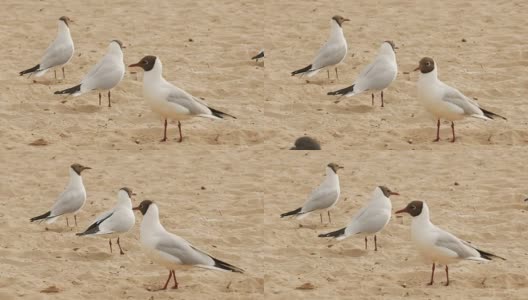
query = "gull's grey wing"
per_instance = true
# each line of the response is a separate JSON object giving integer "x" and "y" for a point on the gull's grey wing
{"x": 329, "y": 54}
{"x": 455, "y": 97}
{"x": 106, "y": 74}
{"x": 58, "y": 53}
{"x": 180, "y": 251}
{"x": 377, "y": 75}
{"x": 321, "y": 198}
{"x": 368, "y": 220}
{"x": 454, "y": 246}
{"x": 186, "y": 102}
{"x": 67, "y": 202}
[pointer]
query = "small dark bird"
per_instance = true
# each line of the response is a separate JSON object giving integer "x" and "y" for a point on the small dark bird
{"x": 259, "y": 55}
{"x": 306, "y": 143}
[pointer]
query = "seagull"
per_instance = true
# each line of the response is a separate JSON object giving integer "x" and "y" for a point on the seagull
{"x": 439, "y": 246}
{"x": 369, "y": 220}
{"x": 259, "y": 55}
{"x": 331, "y": 54}
{"x": 323, "y": 198}
{"x": 445, "y": 102}
{"x": 377, "y": 76}
{"x": 168, "y": 100}
{"x": 104, "y": 76}
{"x": 70, "y": 201}
{"x": 306, "y": 143}
{"x": 119, "y": 219}
{"x": 170, "y": 250}
{"x": 58, "y": 53}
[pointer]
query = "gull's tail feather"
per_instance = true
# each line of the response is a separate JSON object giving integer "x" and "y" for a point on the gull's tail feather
{"x": 226, "y": 267}
{"x": 30, "y": 70}
{"x": 301, "y": 71}
{"x": 334, "y": 234}
{"x": 220, "y": 114}
{"x": 70, "y": 91}
{"x": 291, "y": 213}
{"x": 41, "y": 217}
{"x": 348, "y": 91}
{"x": 260, "y": 55}
{"x": 491, "y": 115}
{"x": 487, "y": 255}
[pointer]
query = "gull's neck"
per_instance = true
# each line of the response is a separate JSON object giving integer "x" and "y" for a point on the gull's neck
{"x": 63, "y": 29}
{"x": 155, "y": 74}
{"x": 115, "y": 50}
{"x": 123, "y": 200}
{"x": 422, "y": 220}
{"x": 75, "y": 179}
{"x": 331, "y": 176}
{"x": 336, "y": 32}
{"x": 386, "y": 50}
{"x": 151, "y": 220}
{"x": 431, "y": 76}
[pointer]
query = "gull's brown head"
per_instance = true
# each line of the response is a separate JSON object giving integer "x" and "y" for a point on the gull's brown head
{"x": 146, "y": 63}
{"x": 427, "y": 65}
{"x": 78, "y": 168}
{"x": 143, "y": 206}
{"x": 66, "y": 20}
{"x": 335, "y": 167}
{"x": 391, "y": 43}
{"x": 414, "y": 208}
{"x": 128, "y": 191}
{"x": 339, "y": 20}
{"x": 387, "y": 192}
{"x": 119, "y": 43}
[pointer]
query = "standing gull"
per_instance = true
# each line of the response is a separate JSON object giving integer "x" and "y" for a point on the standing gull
{"x": 116, "y": 221}
{"x": 323, "y": 198}
{"x": 169, "y": 101}
{"x": 377, "y": 76}
{"x": 369, "y": 220}
{"x": 439, "y": 246}
{"x": 104, "y": 76}
{"x": 170, "y": 250}
{"x": 59, "y": 52}
{"x": 70, "y": 201}
{"x": 445, "y": 102}
{"x": 331, "y": 54}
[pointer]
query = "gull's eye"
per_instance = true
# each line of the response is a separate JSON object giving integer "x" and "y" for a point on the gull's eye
{"x": 413, "y": 207}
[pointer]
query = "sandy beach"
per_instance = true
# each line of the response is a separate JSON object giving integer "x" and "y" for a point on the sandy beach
{"x": 225, "y": 186}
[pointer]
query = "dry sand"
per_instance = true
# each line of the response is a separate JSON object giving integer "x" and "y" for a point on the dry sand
{"x": 249, "y": 178}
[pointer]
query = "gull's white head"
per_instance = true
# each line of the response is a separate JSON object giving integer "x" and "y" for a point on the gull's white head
{"x": 126, "y": 192}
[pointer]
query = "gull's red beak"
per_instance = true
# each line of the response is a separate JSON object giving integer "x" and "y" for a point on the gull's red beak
{"x": 401, "y": 211}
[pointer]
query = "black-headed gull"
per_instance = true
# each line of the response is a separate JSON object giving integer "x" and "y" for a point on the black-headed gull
{"x": 116, "y": 221}
{"x": 170, "y": 250}
{"x": 445, "y": 102}
{"x": 331, "y": 54}
{"x": 104, "y": 76}
{"x": 169, "y": 101}
{"x": 58, "y": 53}
{"x": 369, "y": 220}
{"x": 69, "y": 202}
{"x": 323, "y": 198}
{"x": 377, "y": 76}
{"x": 439, "y": 246}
